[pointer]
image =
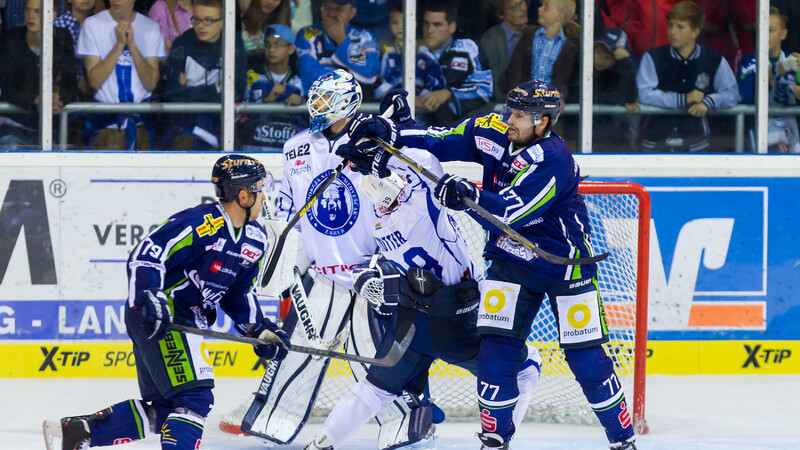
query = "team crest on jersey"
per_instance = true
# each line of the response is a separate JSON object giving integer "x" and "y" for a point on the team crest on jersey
{"x": 210, "y": 226}
{"x": 336, "y": 210}
{"x": 494, "y": 121}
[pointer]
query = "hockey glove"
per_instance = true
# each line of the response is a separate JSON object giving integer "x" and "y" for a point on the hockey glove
{"x": 402, "y": 112}
{"x": 451, "y": 189}
{"x": 278, "y": 348}
{"x": 367, "y": 158}
{"x": 379, "y": 284}
{"x": 155, "y": 314}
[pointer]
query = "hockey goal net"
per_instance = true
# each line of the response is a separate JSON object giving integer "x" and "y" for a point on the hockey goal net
{"x": 619, "y": 215}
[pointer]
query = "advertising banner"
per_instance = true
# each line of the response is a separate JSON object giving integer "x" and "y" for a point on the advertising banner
{"x": 723, "y": 254}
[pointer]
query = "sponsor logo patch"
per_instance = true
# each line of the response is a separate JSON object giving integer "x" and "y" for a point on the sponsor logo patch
{"x": 211, "y": 225}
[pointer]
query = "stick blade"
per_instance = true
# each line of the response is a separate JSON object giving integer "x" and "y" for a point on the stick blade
{"x": 399, "y": 346}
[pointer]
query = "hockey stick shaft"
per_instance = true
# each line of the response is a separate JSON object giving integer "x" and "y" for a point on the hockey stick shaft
{"x": 398, "y": 348}
{"x": 547, "y": 256}
{"x": 273, "y": 261}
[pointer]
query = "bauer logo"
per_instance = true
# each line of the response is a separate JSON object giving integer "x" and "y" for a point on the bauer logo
{"x": 700, "y": 239}
{"x": 336, "y": 210}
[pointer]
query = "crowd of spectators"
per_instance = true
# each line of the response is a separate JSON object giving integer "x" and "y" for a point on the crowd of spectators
{"x": 665, "y": 53}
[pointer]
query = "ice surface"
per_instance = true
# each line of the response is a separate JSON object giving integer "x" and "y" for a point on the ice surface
{"x": 684, "y": 412}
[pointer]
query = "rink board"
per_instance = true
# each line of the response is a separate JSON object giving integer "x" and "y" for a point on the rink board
{"x": 115, "y": 359}
{"x": 723, "y": 262}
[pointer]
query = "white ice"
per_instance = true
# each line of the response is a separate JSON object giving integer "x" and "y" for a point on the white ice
{"x": 683, "y": 412}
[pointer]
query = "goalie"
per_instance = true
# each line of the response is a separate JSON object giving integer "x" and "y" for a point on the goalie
{"x": 428, "y": 279}
{"x": 334, "y": 235}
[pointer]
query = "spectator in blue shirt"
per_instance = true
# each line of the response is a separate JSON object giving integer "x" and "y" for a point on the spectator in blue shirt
{"x": 335, "y": 44}
{"x": 498, "y": 43}
{"x": 547, "y": 52}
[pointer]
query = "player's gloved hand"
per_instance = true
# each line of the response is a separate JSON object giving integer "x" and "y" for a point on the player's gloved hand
{"x": 367, "y": 125}
{"x": 156, "y": 316}
{"x": 451, "y": 189}
{"x": 402, "y": 111}
{"x": 277, "y": 349}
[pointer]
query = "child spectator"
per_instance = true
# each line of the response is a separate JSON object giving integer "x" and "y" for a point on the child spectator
{"x": 194, "y": 74}
{"x": 73, "y": 19}
{"x": 121, "y": 49}
{"x": 784, "y": 89}
{"x": 545, "y": 52}
{"x": 468, "y": 87}
{"x": 173, "y": 16}
{"x": 19, "y": 75}
{"x": 258, "y": 15}
{"x": 681, "y": 75}
{"x": 334, "y": 43}
{"x": 498, "y": 43}
{"x": 614, "y": 84}
{"x": 273, "y": 78}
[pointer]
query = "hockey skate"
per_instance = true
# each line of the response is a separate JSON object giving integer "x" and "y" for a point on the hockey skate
{"x": 630, "y": 444}
{"x": 491, "y": 440}
{"x": 73, "y": 431}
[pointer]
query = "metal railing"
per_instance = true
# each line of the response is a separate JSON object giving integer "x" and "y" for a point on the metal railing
{"x": 739, "y": 112}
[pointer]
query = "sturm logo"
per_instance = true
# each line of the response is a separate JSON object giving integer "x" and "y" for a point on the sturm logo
{"x": 336, "y": 210}
{"x": 757, "y": 356}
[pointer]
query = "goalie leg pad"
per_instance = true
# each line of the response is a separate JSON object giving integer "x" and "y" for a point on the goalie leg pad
{"x": 351, "y": 413}
{"x": 289, "y": 388}
{"x": 594, "y": 371}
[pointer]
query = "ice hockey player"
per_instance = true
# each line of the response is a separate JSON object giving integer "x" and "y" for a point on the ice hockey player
{"x": 199, "y": 258}
{"x": 530, "y": 182}
{"x": 336, "y": 233}
{"x": 427, "y": 277}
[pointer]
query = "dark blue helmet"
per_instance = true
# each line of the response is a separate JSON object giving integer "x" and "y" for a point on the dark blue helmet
{"x": 232, "y": 172}
{"x": 537, "y": 98}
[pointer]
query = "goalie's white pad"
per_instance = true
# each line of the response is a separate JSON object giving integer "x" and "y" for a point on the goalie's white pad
{"x": 289, "y": 388}
{"x": 293, "y": 255}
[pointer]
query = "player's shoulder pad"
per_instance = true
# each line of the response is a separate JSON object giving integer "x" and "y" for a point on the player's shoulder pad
{"x": 490, "y": 134}
{"x": 207, "y": 220}
{"x": 255, "y": 231}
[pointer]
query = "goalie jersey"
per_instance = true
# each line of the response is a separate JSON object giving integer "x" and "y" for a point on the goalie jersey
{"x": 419, "y": 232}
{"x": 337, "y": 229}
{"x": 200, "y": 261}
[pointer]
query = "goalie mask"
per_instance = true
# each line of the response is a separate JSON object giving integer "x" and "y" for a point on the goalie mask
{"x": 334, "y": 96}
{"x": 536, "y": 98}
{"x": 383, "y": 192}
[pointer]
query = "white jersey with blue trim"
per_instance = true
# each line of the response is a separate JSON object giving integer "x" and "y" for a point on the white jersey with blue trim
{"x": 419, "y": 232}
{"x": 337, "y": 229}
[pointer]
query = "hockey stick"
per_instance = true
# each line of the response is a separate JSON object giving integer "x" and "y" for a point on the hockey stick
{"x": 399, "y": 346}
{"x": 547, "y": 256}
{"x": 273, "y": 260}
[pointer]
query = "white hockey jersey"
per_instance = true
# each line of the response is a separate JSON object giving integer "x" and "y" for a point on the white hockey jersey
{"x": 337, "y": 229}
{"x": 419, "y": 232}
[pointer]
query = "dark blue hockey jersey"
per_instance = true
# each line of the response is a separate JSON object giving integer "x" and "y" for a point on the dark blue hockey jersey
{"x": 199, "y": 260}
{"x": 534, "y": 190}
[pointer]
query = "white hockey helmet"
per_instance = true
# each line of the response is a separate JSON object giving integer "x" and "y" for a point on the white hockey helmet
{"x": 335, "y": 95}
{"x": 383, "y": 192}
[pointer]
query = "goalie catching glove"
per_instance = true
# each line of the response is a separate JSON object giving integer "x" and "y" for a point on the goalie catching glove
{"x": 367, "y": 157}
{"x": 279, "y": 346}
{"x": 379, "y": 283}
{"x": 451, "y": 189}
{"x": 155, "y": 314}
